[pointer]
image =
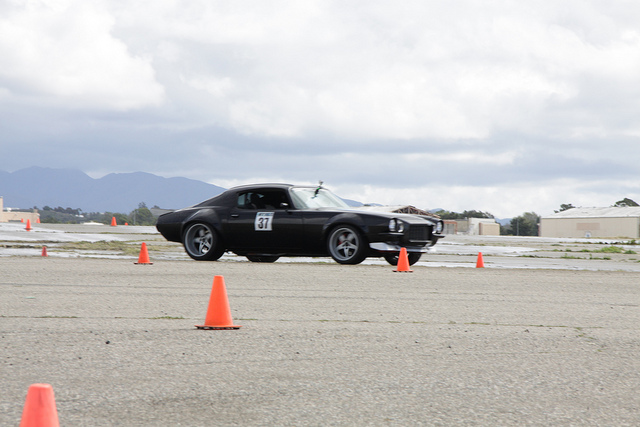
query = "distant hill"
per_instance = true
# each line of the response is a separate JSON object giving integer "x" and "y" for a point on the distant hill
{"x": 352, "y": 203}
{"x": 503, "y": 221}
{"x": 116, "y": 192}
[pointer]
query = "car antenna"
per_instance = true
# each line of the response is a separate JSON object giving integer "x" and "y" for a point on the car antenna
{"x": 318, "y": 189}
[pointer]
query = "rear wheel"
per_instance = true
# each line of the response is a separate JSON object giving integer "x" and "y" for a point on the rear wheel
{"x": 347, "y": 245}
{"x": 392, "y": 257}
{"x": 262, "y": 258}
{"x": 202, "y": 242}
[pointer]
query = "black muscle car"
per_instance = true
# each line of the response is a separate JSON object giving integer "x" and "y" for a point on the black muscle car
{"x": 266, "y": 221}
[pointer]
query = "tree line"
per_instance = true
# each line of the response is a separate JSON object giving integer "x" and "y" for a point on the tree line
{"x": 59, "y": 215}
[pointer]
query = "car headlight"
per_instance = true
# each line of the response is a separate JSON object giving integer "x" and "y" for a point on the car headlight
{"x": 396, "y": 226}
{"x": 439, "y": 227}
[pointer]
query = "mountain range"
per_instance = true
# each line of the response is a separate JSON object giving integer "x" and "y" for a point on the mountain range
{"x": 116, "y": 192}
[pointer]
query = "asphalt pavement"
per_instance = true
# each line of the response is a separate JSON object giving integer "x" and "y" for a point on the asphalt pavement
{"x": 320, "y": 344}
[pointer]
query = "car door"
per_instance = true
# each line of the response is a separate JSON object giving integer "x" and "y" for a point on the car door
{"x": 263, "y": 220}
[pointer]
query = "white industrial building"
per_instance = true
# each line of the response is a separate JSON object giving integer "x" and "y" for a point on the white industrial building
{"x": 612, "y": 222}
{"x": 17, "y": 215}
{"x": 472, "y": 226}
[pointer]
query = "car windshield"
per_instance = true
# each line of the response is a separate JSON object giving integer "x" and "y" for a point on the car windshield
{"x": 308, "y": 197}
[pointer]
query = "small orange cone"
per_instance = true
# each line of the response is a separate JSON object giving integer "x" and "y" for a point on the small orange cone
{"x": 113, "y": 221}
{"x": 38, "y": 220}
{"x": 40, "y": 407}
{"x": 403, "y": 262}
{"x": 218, "y": 313}
{"x": 28, "y": 228}
{"x": 44, "y": 251}
{"x": 480, "y": 262}
{"x": 144, "y": 255}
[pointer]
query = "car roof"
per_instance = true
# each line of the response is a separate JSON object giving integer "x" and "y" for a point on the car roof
{"x": 266, "y": 185}
{"x": 230, "y": 194}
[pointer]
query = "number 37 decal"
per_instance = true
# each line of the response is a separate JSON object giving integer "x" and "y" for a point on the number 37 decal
{"x": 263, "y": 221}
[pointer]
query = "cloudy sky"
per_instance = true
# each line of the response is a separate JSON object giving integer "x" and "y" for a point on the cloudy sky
{"x": 500, "y": 106}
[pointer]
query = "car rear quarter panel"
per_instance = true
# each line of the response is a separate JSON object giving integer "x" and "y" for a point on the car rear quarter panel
{"x": 171, "y": 225}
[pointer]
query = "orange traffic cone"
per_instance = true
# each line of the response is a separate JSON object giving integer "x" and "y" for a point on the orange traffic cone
{"x": 218, "y": 313}
{"x": 480, "y": 262}
{"x": 40, "y": 407}
{"x": 403, "y": 262}
{"x": 38, "y": 220}
{"x": 144, "y": 255}
{"x": 113, "y": 221}
{"x": 28, "y": 228}
{"x": 44, "y": 251}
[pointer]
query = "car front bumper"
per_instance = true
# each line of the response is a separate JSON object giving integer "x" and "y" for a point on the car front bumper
{"x": 387, "y": 247}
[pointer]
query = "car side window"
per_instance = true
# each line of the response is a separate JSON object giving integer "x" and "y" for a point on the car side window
{"x": 247, "y": 200}
{"x": 266, "y": 199}
{"x": 276, "y": 199}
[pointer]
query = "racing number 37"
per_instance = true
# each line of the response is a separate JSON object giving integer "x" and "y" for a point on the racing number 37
{"x": 263, "y": 221}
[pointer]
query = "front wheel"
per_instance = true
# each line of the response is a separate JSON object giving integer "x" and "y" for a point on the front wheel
{"x": 347, "y": 245}
{"x": 392, "y": 257}
{"x": 202, "y": 242}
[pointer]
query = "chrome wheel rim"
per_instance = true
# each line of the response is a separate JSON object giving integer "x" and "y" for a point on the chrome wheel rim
{"x": 344, "y": 244}
{"x": 199, "y": 239}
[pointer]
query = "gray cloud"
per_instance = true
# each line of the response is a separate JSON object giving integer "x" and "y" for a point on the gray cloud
{"x": 505, "y": 105}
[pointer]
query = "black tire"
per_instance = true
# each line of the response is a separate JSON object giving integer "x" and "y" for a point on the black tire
{"x": 347, "y": 245}
{"x": 392, "y": 257}
{"x": 202, "y": 242}
{"x": 262, "y": 258}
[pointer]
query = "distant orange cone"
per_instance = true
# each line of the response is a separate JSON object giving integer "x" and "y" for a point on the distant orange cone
{"x": 403, "y": 262}
{"x": 44, "y": 251}
{"x": 38, "y": 220}
{"x": 28, "y": 228}
{"x": 480, "y": 262}
{"x": 113, "y": 221}
{"x": 40, "y": 407}
{"x": 218, "y": 313}
{"x": 144, "y": 255}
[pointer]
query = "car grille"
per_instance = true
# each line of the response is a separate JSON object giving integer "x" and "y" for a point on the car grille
{"x": 419, "y": 233}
